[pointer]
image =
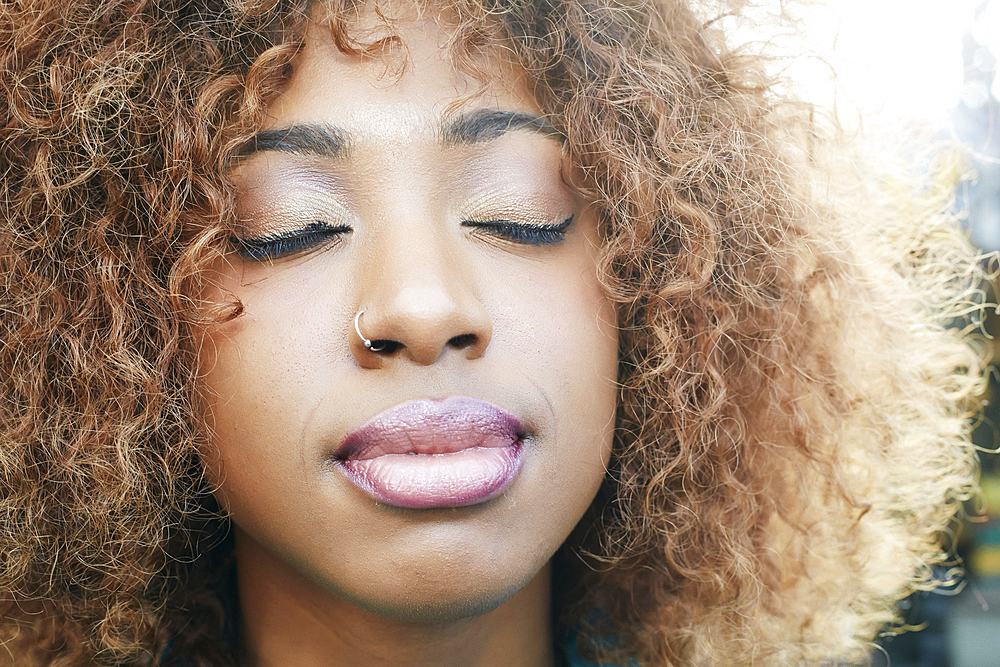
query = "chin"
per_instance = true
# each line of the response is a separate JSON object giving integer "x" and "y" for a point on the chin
{"x": 436, "y": 606}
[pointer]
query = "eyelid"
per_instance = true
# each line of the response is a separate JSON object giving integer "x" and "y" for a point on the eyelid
{"x": 274, "y": 246}
{"x": 524, "y": 233}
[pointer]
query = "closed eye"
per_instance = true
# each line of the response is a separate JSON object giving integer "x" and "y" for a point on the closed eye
{"x": 275, "y": 246}
{"x": 522, "y": 233}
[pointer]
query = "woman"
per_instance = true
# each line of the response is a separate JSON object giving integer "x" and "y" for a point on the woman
{"x": 481, "y": 334}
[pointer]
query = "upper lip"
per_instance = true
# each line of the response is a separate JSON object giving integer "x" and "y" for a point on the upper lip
{"x": 431, "y": 426}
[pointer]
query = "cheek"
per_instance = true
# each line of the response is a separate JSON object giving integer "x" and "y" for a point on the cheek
{"x": 253, "y": 377}
{"x": 572, "y": 342}
{"x": 588, "y": 373}
{"x": 585, "y": 358}
{"x": 575, "y": 340}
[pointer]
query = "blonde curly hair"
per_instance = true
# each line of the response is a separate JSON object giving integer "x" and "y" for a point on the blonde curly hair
{"x": 791, "y": 444}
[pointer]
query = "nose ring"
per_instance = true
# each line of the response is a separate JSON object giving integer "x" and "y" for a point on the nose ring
{"x": 357, "y": 328}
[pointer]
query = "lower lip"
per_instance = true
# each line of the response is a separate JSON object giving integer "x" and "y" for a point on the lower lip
{"x": 422, "y": 481}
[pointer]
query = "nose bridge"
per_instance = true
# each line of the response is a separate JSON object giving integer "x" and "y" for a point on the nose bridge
{"x": 415, "y": 277}
{"x": 419, "y": 292}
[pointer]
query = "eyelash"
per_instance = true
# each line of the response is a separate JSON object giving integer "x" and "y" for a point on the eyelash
{"x": 287, "y": 243}
{"x": 516, "y": 232}
{"x": 275, "y": 246}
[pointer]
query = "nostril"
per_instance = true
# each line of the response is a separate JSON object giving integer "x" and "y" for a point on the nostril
{"x": 462, "y": 341}
{"x": 385, "y": 346}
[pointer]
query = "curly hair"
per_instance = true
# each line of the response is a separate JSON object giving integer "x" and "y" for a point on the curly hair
{"x": 791, "y": 446}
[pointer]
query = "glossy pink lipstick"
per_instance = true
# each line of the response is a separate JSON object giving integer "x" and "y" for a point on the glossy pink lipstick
{"x": 428, "y": 453}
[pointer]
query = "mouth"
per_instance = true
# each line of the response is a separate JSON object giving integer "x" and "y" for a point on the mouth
{"x": 426, "y": 453}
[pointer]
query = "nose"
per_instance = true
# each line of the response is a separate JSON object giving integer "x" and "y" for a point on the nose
{"x": 419, "y": 303}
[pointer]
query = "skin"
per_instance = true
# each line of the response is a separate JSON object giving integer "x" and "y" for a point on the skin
{"x": 327, "y": 576}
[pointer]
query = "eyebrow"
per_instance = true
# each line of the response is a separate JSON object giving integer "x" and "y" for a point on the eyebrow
{"x": 481, "y": 125}
{"x": 304, "y": 139}
{"x": 327, "y": 141}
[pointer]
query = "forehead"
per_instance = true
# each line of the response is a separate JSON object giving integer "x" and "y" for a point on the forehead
{"x": 408, "y": 85}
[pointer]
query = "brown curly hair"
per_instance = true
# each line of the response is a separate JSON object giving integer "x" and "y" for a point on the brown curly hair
{"x": 792, "y": 430}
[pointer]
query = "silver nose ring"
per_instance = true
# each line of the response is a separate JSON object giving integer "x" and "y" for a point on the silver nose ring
{"x": 357, "y": 328}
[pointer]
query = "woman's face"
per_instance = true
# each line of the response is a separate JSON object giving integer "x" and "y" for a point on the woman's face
{"x": 435, "y": 478}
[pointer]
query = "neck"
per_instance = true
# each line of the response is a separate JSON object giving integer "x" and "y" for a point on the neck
{"x": 287, "y": 620}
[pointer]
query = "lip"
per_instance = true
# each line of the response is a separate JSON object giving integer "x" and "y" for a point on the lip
{"x": 429, "y": 453}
